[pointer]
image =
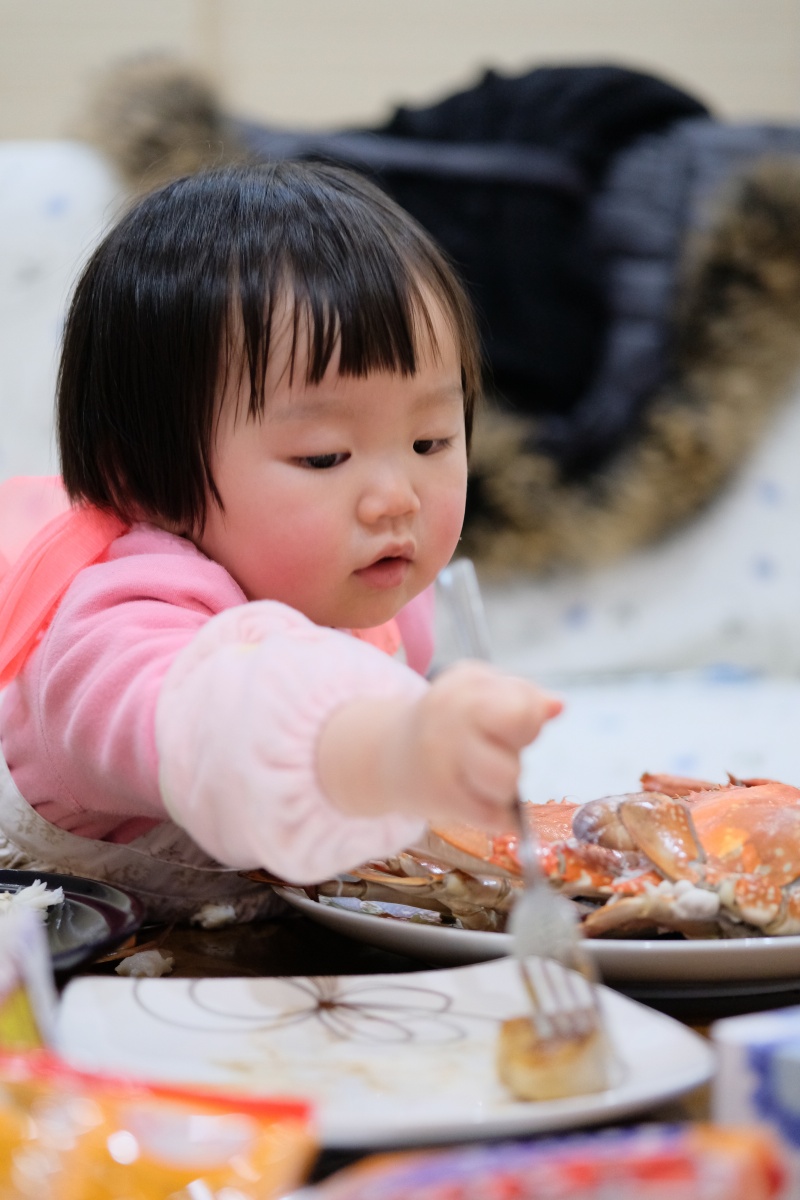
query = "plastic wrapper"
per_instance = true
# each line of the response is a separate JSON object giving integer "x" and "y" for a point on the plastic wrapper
{"x": 67, "y": 1135}
{"x": 650, "y": 1162}
{"x": 27, "y": 991}
{"x": 758, "y": 1077}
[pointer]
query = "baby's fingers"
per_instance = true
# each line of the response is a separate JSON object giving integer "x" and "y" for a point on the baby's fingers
{"x": 495, "y": 818}
{"x": 489, "y": 773}
{"x": 515, "y": 710}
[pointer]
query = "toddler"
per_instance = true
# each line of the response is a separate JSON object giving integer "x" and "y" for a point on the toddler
{"x": 215, "y": 647}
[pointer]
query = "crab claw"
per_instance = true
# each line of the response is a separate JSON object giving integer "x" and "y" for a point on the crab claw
{"x": 599, "y": 822}
{"x": 663, "y": 829}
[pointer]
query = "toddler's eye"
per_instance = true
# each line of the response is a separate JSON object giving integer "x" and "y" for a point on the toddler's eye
{"x": 430, "y": 445}
{"x": 322, "y": 462}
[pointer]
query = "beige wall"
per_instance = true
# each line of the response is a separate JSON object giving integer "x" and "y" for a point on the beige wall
{"x": 323, "y": 62}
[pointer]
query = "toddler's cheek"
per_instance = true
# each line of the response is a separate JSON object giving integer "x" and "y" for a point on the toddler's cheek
{"x": 448, "y": 520}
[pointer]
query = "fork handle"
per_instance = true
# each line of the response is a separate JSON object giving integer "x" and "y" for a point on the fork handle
{"x": 528, "y": 858}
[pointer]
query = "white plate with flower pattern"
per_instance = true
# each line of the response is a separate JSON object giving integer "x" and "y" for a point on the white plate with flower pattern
{"x": 387, "y": 1060}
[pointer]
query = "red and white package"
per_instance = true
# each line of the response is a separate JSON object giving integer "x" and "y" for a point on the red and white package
{"x": 649, "y": 1162}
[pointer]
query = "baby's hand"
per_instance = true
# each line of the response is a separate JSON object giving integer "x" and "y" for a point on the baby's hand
{"x": 453, "y": 755}
{"x": 458, "y": 751}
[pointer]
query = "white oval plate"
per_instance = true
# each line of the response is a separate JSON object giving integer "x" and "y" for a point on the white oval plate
{"x": 629, "y": 961}
{"x": 387, "y": 1060}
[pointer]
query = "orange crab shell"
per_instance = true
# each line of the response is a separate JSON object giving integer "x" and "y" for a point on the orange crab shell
{"x": 749, "y": 829}
{"x": 550, "y": 823}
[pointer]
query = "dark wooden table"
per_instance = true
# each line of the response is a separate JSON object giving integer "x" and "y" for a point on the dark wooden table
{"x": 291, "y": 944}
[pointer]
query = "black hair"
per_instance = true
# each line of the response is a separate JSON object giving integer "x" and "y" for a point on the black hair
{"x": 204, "y": 263}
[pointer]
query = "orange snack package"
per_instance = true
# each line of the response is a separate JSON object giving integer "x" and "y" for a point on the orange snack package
{"x": 69, "y": 1135}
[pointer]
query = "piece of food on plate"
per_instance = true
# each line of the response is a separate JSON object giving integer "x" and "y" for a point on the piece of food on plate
{"x": 537, "y": 1069}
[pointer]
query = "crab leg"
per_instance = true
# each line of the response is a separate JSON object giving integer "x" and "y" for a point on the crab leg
{"x": 582, "y": 869}
{"x": 677, "y": 786}
{"x": 656, "y": 904}
{"x": 788, "y": 919}
{"x": 684, "y": 788}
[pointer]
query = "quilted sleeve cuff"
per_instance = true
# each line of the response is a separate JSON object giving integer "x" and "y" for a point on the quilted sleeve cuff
{"x": 238, "y": 719}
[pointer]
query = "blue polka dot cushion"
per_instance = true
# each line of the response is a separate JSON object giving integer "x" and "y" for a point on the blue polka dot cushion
{"x": 722, "y": 593}
{"x": 55, "y": 200}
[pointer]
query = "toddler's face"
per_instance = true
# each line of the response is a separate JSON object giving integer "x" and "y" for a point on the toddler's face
{"x": 347, "y": 499}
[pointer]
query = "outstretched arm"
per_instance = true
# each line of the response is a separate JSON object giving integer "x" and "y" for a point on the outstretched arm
{"x": 451, "y": 755}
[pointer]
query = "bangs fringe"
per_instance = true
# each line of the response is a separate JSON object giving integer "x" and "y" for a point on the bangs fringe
{"x": 377, "y": 320}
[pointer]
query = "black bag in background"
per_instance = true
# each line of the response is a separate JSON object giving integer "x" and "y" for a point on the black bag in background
{"x": 504, "y": 176}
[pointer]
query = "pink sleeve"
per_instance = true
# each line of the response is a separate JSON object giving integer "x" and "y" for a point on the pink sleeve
{"x": 78, "y": 725}
{"x": 158, "y": 682}
{"x": 237, "y": 724}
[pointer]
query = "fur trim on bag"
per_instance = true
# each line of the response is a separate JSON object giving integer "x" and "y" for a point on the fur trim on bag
{"x": 736, "y": 348}
{"x": 156, "y": 120}
{"x": 736, "y": 356}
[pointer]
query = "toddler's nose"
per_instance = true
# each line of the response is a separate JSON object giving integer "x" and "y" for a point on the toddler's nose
{"x": 387, "y": 496}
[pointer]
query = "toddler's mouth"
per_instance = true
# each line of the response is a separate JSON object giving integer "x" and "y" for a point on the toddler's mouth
{"x": 386, "y": 572}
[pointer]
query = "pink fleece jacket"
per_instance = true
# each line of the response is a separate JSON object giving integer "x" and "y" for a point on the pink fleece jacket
{"x": 159, "y": 691}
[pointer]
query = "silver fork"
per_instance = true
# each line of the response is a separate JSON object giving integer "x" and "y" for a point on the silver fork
{"x": 558, "y": 976}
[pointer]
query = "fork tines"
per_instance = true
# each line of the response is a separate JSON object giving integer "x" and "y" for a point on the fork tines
{"x": 563, "y": 1001}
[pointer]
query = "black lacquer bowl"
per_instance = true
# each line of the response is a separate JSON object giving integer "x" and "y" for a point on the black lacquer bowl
{"x": 94, "y": 918}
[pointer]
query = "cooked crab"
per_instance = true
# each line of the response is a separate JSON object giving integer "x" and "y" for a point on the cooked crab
{"x": 682, "y": 854}
{"x": 727, "y": 854}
